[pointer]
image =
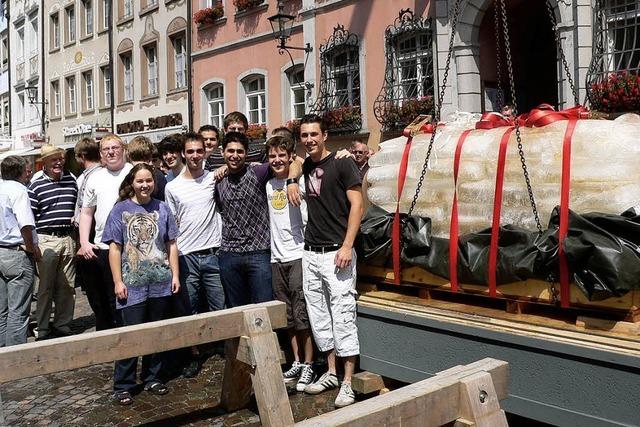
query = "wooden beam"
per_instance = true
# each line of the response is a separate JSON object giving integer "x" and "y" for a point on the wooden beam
{"x": 431, "y": 402}
{"x": 78, "y": 351}
{"x": 479, "y": 401}
{"x": 236, "y": 381}
{"x": 366, "y": 382}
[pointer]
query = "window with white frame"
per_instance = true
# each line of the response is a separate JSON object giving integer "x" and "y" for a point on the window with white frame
{"x": 87, "y": 78}
{"x": 4, "y": 45}
{"x": 127, "y": 68}
{"x": 20, "y": 44}
{"x": 5, "y": 115}
{"x": 295, "y": 76}
{"x": 55, "y": 31}
{"x": 415, "y": 65}
{"x": 20, "y": 109}
{"x": 622, "y": 36}
{"x": 55, "y": 98}
{"x": 215, "y": 104}
{"x": 106, "y": 86}
{"x": 127, "y": 8}
{"x": 106, "y": 14}
{"x": 344, "y": 70}
{"x": 87, "y": 6}
{"x": 71, "y": 95}
{"x": 152, "y": 69}
{"x": 33, "y": 38}
{"x": 180, "y": 61}
{"x": 255, "y": 99}
{"x": 70, "y": 19}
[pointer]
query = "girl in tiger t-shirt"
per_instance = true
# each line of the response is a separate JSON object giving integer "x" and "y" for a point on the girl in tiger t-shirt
{"x": 141, "y": 233}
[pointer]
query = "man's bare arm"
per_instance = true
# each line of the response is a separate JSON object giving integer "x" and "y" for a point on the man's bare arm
{"x": 344, "y": 255}
{"x": 86, "y": 219}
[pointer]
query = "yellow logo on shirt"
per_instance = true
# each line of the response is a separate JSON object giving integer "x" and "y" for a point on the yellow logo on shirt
{"x": 279, "y": 199}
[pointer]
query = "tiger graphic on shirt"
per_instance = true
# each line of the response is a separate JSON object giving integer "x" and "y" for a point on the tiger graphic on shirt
{"x": 143, "y": 262}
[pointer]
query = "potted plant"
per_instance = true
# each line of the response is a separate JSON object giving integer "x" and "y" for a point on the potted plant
{"x": 397, "y": 115}
{"x": 619, "y": 93}
{"x": 343, "y": 119}
{"x": 209, "y": 15}
{"x": 257, "y": 132}
{"x": 242, "y": 5}
{"x": 294, "y": 127}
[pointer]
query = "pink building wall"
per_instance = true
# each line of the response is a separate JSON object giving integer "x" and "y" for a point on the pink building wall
{"x": 366, "y": 18}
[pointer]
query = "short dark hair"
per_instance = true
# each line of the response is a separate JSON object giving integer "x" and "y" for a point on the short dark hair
{"x": 12, "y": 168}
{"x": 235, "y": 116}
{"x": 173, "y": 143}
{"x": 314, "y": 118}
{"x": 236, "y": 137}
{"x": 88, "y": 149}
{"x": 192, "y": 136}
{"x": 207, "y": 128}
{"x": 283, "y": 131}
{"x": 283, "y": 142}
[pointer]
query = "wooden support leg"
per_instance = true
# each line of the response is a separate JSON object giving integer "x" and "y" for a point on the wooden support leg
{"x": 2, "y": 421}
{"x": 256, "y": 359}
{"x": 480, "y": 406}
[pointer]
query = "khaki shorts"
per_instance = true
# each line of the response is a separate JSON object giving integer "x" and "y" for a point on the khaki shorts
{"x": 287, "y": 287}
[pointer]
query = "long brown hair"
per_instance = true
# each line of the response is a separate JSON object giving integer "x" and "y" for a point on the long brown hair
{"x": 126, "y": 188}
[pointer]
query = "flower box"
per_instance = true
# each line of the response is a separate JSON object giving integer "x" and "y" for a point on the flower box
{"x": 345, "y": 119}
{"x": 620, "y": 92}
{"x": 243, "y": 5}
{"x": 397, "y": 116}
{"x": 257, "y": 132}
{"x": 208, "y": 15}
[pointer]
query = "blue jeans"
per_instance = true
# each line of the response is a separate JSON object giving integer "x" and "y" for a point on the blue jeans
{"x": 200, "y": 275}
{"x": 246, "y": 277}
{"x": 16, "y": 288}
{"x": 124, "y": 375}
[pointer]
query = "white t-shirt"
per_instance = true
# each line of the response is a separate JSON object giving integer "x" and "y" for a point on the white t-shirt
{"x": 15, "y": 213}
{"x": 101, "y": 191}
{"x": 192, "y": 203}
{"x": 287, "y": 222}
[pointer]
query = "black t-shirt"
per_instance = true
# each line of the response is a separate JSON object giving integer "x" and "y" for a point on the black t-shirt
{"x": 161, "y": 182}
{"x": 327, "y": 183}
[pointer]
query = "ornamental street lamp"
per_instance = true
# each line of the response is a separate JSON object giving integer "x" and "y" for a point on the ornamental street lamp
{"x": 32, "y": 94}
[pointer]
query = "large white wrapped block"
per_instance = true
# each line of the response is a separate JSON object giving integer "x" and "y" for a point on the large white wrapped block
{"x": 605, "y": 172}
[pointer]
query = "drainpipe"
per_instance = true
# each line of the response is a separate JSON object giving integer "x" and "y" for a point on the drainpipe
{"x": 189, "y": 63}
{"x": 8, "y": 17}
{"x": 111, "y": 68}
{"x": 43, "y": 108}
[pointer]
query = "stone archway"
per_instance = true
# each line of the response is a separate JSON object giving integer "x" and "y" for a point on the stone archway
{"x": 464, "y": 86}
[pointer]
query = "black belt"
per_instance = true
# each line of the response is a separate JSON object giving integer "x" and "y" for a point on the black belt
{"x": 65, "y": 232}
{"x": 208, "y": 251}
{"x": 325, "y": 248}
{"x": 11, "y": 247}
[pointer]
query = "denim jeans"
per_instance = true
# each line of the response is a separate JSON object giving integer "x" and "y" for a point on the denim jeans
{"x": 16, "y": 288}
{"x": 246, "y": 277}
{"x": 124, "y": 375}
{"x": 200, "y": 275}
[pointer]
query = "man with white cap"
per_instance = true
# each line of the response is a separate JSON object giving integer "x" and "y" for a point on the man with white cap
{"x": 53, "y": 199}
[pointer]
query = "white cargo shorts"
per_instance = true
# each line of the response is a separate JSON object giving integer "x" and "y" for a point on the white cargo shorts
{"x": 330, "y": 294}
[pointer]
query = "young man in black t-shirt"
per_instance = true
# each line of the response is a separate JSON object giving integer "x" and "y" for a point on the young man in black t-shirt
{"x": 335, "y": 205}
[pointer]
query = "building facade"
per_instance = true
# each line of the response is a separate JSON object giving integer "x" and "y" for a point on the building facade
{"x": 5, "y": 111}
{"x": 150, "y": 67}
{"x": 26, "y": 73}
{"x": 78, "y": 70}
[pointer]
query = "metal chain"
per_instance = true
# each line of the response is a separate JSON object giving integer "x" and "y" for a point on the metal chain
{"x": 501, "y": 100}
{"x": 507, "y": 47}
{"x": 565, "y": 65}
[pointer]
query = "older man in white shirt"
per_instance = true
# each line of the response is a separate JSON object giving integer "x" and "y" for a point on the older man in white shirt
{"x": 18, "y": 251}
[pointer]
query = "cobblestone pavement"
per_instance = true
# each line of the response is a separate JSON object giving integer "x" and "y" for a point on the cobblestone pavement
{"x": 83, "y": 397}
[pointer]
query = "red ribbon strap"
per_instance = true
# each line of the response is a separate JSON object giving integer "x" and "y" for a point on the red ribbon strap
{"x": 497, "y": 210}
{"x": 395, "y": 230}
{"x": 565, "y": 188}
{"x": 453, "y": 230}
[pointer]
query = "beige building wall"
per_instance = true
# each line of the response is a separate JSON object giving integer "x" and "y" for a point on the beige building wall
{"x": 77, "y": 73}
{"x": 150, "y": 61}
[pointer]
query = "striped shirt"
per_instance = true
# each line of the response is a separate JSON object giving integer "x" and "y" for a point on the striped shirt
{"x": 53, "y": 202}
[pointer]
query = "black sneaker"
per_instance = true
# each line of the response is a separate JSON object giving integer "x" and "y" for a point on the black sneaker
{"x": 192, "y": 369}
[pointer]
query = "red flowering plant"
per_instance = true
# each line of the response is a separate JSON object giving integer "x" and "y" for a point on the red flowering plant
{"x": 294, "y": 127}
{"x": 242, "y": 5}
{"x": 396, "y": 116}
{"x": 343, "y": 119}
{"x": 257, "y": 132}
{"x": 620, "y": 92}
{"x": 209, "y": 15}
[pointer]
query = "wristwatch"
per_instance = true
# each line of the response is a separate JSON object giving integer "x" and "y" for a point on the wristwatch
{"x": 292, "y": 181}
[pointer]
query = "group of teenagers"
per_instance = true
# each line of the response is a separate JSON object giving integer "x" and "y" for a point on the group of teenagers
{"x": 222, "y": 228}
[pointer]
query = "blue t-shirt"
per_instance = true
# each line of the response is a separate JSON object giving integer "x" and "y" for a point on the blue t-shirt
{"x": 143, "y": 231}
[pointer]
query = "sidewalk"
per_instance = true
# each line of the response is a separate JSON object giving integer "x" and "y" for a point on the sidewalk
{"x": 83, "y": 397}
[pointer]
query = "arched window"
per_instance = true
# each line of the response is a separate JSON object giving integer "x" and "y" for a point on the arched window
{"x": 339, "y": 94}
{"x": 214, "y": 95}
{"x": 408, "y": 82}
{"x": 255, "y": 98}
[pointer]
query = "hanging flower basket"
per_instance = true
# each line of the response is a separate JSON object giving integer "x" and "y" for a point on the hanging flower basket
{"x": 208, "y": 15}
{"x": 243, "y": 5}
{"x": 343, "y": 120}
{"x": 620, "y": 92}
{"x": 396, "y": 116}
{"x": 257, "y": 132}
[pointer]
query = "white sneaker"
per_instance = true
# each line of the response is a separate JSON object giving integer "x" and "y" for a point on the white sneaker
{"x": 294, "y": 371}
{"x": 326, "y": 382}
{"x": 346, "y": 396}
{"x": 306, "y": 377}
